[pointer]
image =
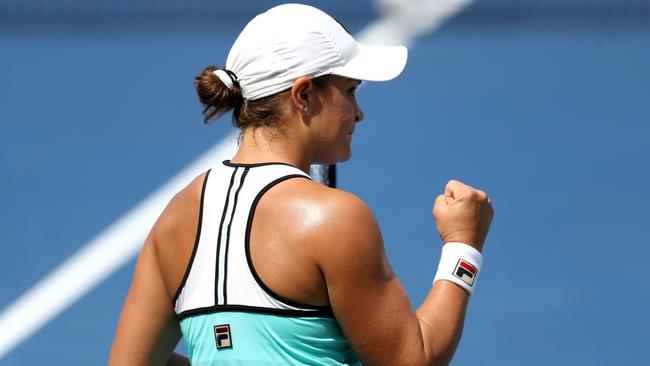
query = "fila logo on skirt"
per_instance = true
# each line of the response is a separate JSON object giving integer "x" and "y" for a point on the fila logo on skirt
{"x": 222, "y": 336}
{"x": 465, "y": 271}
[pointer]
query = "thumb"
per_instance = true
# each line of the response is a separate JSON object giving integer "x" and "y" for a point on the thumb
{"x": 449, "y": 200}
{"x": 449, "y": 195}
{"x": 451, "y": 189}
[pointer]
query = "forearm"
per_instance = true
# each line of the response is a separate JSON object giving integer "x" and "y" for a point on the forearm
{"x": 441, "y": 317}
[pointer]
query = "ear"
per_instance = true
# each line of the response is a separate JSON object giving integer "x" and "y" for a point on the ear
{"x": 300, "y": 91}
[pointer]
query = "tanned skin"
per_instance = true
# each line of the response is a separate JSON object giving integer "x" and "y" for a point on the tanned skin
{"x": 311, "y": 244}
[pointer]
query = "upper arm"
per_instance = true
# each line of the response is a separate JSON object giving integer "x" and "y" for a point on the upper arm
{"x": 148, "y": 330}
{"x": 368, "y": 300}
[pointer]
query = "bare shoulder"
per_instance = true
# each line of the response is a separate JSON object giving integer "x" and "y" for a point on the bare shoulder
{"x": 181, "y": 210}
{"x": 332, "y": 221}
{"x": 173, "y": 235}
{"x": 319, "y": 207}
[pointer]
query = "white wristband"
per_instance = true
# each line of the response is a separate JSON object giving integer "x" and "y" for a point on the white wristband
{"x": 460, "y": 264}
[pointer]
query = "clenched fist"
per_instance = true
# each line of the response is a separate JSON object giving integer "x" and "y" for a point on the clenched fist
{"x": 463, "y": 214}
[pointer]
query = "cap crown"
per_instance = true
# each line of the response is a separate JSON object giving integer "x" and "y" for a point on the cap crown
{"x": 285, "y": 43}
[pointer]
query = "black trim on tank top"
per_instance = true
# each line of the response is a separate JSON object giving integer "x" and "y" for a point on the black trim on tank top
{"x": 254, "y": 165}
{"x": 325, "y": 313}
{"x": 249, "y": 259}
{"x": 223, "y": 218}
{"x": 232, "y": 216}
{"x": 197, "y": 238}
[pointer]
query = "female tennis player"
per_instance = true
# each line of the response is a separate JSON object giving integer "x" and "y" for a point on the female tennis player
{"x": 253, "y": 263}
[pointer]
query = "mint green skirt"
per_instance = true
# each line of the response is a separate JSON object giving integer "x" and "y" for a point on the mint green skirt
{"x": 250, "y": 338}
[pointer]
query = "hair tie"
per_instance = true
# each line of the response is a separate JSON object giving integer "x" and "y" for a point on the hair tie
{"x": 227, "y": 77}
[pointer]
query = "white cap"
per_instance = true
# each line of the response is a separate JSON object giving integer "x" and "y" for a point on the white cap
{"x": 293, "y": 40}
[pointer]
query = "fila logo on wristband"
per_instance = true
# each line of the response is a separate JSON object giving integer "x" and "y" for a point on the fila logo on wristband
{"x": 465, "y": 271}
{"x": 222, "y": 336}
{"x": 460, "y": 264}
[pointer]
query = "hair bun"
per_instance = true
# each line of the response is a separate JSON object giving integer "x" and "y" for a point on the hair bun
{"x": 214, "y": 95}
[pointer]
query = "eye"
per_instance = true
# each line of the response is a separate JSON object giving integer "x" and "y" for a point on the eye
{"x": 352, "y": 90}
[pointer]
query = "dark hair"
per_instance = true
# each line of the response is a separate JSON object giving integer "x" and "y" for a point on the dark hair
{"x": 217, "y": 99}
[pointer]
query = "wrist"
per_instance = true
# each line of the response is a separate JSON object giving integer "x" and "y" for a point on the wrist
{"x": 461, "y": 264}
{"x": 468, "y": 237}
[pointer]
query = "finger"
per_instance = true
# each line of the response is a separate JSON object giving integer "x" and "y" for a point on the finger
{"x": 439, "y": 205}
{"x": 456, "y": 189}
{"x": 490, "y": 206}
{"x": 451, "y": 187}
{"x": 440, "y": 201}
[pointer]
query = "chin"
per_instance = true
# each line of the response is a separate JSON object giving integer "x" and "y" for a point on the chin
{"x": 338, "y": 158}
{"x": 344, "y": 153}
{"x": 346, "y": 157}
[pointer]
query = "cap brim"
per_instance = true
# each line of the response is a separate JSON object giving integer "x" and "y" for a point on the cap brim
{"x": 375, "y": 63}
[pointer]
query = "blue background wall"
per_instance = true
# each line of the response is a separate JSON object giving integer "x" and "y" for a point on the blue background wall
{"x": 544, "y": 105}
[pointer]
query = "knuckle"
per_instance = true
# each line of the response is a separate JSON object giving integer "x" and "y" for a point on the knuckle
{"x": 437, "y": 207}
{"x": 473, "y": 194}
{"x": 454, "y": 183}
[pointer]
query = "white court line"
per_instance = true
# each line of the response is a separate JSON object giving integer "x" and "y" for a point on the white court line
{"x": 120, "y": 242}
{"x": 99, "y": 258}
{"x": 405, "y": 20}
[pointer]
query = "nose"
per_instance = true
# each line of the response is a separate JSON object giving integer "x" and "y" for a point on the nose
{"x": 359, "y": 114}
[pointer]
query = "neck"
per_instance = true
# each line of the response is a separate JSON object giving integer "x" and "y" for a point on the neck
{"x": 259, "y": 145}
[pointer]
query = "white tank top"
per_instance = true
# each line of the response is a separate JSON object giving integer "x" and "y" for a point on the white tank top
{"x": 220, "y": 275}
